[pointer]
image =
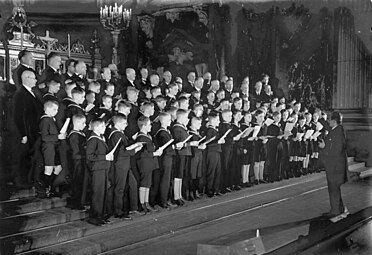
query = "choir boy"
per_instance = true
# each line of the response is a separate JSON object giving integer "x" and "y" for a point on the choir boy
{"x": 99, "y": 162}
{"x": 77, "y": 142}
{"x": 180, "y": 133}
{"x": 195, "y": 166}
{"x": 227, "y": 152}
{"x": 50, "y": 138}
{"x": 146, "y": 161}
{"x": 259, "y": 147}
{"x": 163, "y": 136}
{"x": 213, "y": 156}
{"x": 246, "y": 148}
{"x": 121, "y": 163}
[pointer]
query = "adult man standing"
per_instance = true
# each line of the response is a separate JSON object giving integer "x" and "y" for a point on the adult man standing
{"x": 27, "y": 113}
{"x": 27, "y": 62}
{"x": 334, "y": 158}
{"x": 80, "y": 73}
{"x": 50, "y": 72}
{"x": 130, "y": 75}
{"x": 189, "y": 85}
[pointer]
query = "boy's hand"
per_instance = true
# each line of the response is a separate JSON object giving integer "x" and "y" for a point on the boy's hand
{"x": 202, "y": 147}
{"x": 62, "y": 136}
{"x": 24, "y": 140}
{"x": 321, "y": 144}
{"x": 221, "y": 141}
{"x": 236, "y": 138}
{"x": 251, "y": 138}
{"x": 158, "y": 153}
{"x": 245, "y": 151}
{"x": 179, "y": 145}
{"x": 194, "y": 143}
{"x": 265, "y": 140}
{"x": 110, "y": 157}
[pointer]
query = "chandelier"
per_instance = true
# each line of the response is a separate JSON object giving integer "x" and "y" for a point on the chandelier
{"x": 115, "y": 17}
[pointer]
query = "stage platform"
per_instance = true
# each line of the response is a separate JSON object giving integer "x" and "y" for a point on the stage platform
{"x": 281, "y": 211}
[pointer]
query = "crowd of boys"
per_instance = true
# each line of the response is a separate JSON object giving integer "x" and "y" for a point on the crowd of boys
{"x": 136, "y": 144}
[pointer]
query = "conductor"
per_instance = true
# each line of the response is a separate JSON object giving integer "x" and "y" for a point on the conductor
{"x": 333, "y": 155}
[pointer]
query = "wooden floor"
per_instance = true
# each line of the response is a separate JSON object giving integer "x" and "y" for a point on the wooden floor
{"x": 281, "y": 211}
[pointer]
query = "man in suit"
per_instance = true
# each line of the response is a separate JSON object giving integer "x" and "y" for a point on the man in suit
{"x": 333, "y": 155}
{"x": 142, "y": 82}
{"x": 70, "y": 66}
{"x": 27, "y": 62}
{"x": 189, "y": 84}
{"x": 256, "y": 97}
{"x": 27, "y": 113}
{"x": 167, "y": 78}
{"x": 51, "y": 71}
{"x": 130, "y": 76}
{"x": 80, "y": 73}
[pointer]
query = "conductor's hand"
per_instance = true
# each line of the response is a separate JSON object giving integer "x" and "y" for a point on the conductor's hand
{"x": 321, "y": 144}
{"x": 24, "y": 140}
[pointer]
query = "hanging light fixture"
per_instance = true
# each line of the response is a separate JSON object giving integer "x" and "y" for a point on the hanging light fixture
{"x": 114, "y": 17}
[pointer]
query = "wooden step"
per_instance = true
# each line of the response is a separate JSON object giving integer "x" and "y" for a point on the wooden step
{"x": 95, "y": 240}
{"x": 366, "y": 173}
{"x": 356, "y": 166}
{"x": 28, "y": 205}
{"x": 17, "y": 194}
{"x": 37, "y": 220}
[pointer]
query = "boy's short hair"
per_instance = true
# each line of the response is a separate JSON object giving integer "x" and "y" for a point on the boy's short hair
{"x": 234, "y": 112}
{"x": 52, "y": 80}
{"x": 109, "y": 84}
{"x": 163, "y": 115}
{"x": 77, "y": 90}
{"x": 142, "y": 121}
{"x": 172, "y": 110}
{"x": 225, "y": 112}
{"x": 259, "y": 111}
{"x": 131, "y": 89}
{"x": 182, "y": 99}
{"x": 195, "y": 92}
{"x": 124, "y": 104}
{"x": 94, "y": 84}
{"x": 105, "y": 97}
{"x": 198, "y": 106}
{"x": 78, "y": 117}
{"x": 237, "y": 99}
{"x": 225, "y": 100}
{"x": 160, "y": 98}
{"x": 146, "y": 105}
{"x": 181, "y": 112}
{"x": 50, "y": 103}
{"x": 220, "y": 91}
{"x": 89, "y": 92}
{"x": 96, "y": 122}
{"x": 155, "y": 88}
{"x": 119, "y": 118}
{"x": 194, "y": 118}
{"x": 212, "y": 116}
{"x": 337, "y": 116}
{"x": 276, "y": 114}
{"x": 170, "y": 86}
{"x": 210, "y": 92}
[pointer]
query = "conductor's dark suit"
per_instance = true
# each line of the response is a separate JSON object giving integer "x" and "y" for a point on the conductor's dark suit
{"x": 334, "y": 159}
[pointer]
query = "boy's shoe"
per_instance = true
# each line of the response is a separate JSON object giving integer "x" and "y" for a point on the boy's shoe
{"x": 164, "y": 206}
{"x": 237, "y": 187}
{"x": 136, "y": 213}
{"x": 218, "y": 193}
{"x": 145, "y": 209}
{"x": 95, "y": 221}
